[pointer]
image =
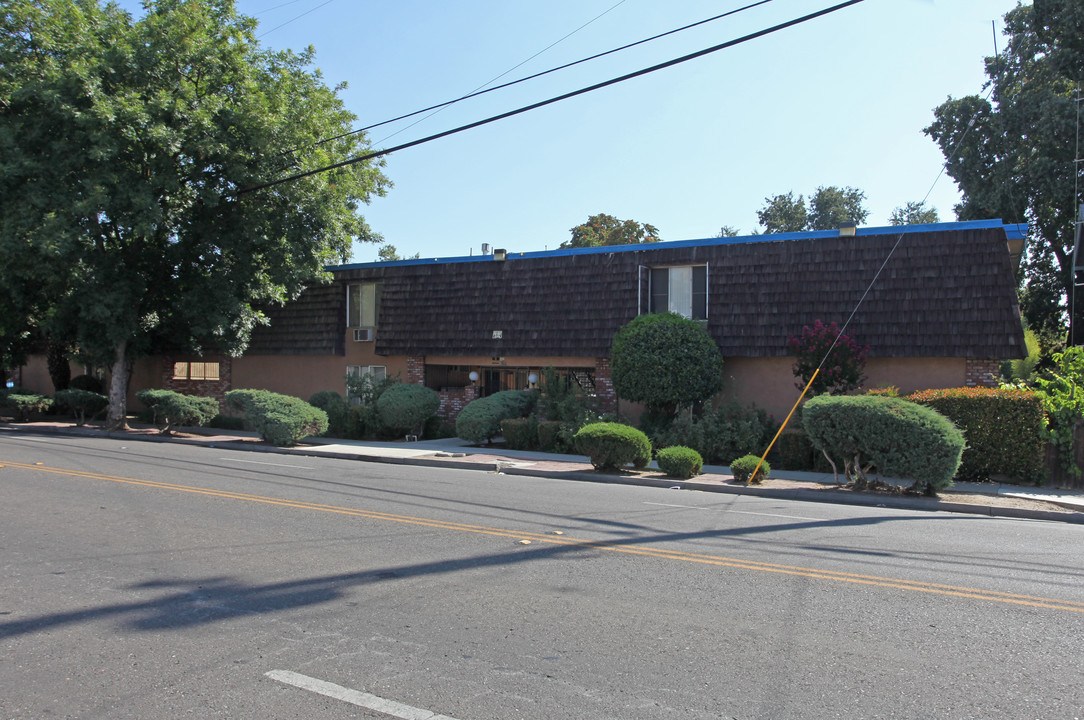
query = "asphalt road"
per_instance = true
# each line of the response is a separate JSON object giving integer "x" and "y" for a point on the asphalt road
{"x": 149, "y": 580}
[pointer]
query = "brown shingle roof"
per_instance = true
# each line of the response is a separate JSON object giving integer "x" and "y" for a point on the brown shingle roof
{"x": 945, "y": 293}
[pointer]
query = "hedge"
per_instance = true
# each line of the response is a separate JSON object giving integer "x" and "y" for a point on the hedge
{"x": 26, "y": 404}
{"x": 481, "y": 419}
{"x": 279, "y": 419}
{"x": 743, "y": 468}
{"x": 1004, "y": 429}
{"x": 404, "y": 407}
{"x": 898, "y": 437}
{"x": 520, "y": 433}
{"x": 680, "y": 462}
{"x": 613, "y": 445}
{"x": 171, "y": 408}
{"x": 81, "y": 403}
{"x": 337, "y": 411}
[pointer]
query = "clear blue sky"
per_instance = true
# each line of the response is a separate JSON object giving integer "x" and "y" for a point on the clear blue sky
{"x": 840, "y": 100}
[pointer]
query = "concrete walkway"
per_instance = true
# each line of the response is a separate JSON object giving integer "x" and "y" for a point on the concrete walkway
{"x": 453, "y": 452}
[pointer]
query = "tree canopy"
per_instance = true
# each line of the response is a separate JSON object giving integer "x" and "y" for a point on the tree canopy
{"x": 127, "y": 146}
{"x": 1012, "y": 156}
{"x": 827, "y": 209}
{"x": 913, "y": 213}
{"x": 605, "y": 229}
{"x": 389, "y": 253}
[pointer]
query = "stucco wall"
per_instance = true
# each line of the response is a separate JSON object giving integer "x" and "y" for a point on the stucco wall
{"x": 303, "y": 375}
{"x": 769, "y": 382}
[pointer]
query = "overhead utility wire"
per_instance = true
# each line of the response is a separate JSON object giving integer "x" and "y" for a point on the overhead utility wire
{"x": 437, "y": 108}
{"x": 566, "y": 96}
{"x": 480, "y": 91}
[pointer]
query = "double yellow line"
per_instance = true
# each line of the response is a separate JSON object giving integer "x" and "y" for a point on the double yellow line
{"x": 619, "y": 547}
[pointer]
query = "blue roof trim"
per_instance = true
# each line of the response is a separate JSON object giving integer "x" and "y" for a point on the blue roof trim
{"x": 1014, "y": 231}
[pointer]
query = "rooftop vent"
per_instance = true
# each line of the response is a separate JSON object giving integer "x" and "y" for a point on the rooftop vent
{"x": 847, "y": 229}
{"x": 486, "y": 248}
{"x": 500, "y": 254}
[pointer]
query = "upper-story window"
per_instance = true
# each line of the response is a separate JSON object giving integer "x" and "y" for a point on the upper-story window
{"x": 361, "y": 305}
{"x": 682, "y": 290}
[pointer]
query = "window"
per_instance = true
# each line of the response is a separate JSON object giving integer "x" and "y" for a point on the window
{"x": 682, "y": 290}
{"x": 373, "y": 373}
{"x": 195, "y": 371}
{"x": 361, "y": 305}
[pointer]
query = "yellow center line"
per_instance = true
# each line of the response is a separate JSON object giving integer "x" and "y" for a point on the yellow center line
{"x": 611, "y": 546}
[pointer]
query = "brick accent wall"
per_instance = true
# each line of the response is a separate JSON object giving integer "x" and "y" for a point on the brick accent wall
{"x": 205, "y": 388}
{"x": 454, "y": 400}
{"x": 604, "y": 386}
{"x": 415, "y": 369}
{"x": 982, "y": 372}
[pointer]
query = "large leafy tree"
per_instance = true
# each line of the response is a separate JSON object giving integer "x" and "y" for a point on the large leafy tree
{"x": 126, "y": 149}
{"x": 1012, "y": 155}
{"x": 827, "y": 209}
{"x": 605, "y": 229}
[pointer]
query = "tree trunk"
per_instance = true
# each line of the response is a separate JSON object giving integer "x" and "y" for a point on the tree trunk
{"x": 117, "y": 419}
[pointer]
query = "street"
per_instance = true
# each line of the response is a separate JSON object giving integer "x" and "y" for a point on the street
{"x": 158, "y": 580}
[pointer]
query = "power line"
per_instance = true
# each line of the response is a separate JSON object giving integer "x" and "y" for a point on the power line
{"x": 559, "y": 98}
{"x": 268, "y": 32}
{"x": 481, "y": 91}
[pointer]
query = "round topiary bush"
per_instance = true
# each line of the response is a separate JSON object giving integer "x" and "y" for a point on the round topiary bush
{"x": 279, "y": 419}
{"x": 81, "y": 403}
{"x": 405, "y": 406}
{"x": 481, "y": 419}
{"x": 613, "y": 445}
{"x": 680, "y": 462}
{"x": 743, "y": 468}
{"x": 171, "y": 409}
{"x": 665, "y": 361}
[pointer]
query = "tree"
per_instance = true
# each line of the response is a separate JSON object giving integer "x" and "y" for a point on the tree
{"x": 728, "y": 231}
{"x": 783, "y": 213}
{"x": 1013, "y": 158}
{"x": 607, "y": 230}
{"x": 665, "y": 361}
{"x": 388, "y": 253}
{"x": 827, "y": 209}
{"x": 913, "y": 213}
{"x": 841, "y": 359}
{"x": 127, "y": 148}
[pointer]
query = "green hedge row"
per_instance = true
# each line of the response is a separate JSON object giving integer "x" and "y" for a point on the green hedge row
{"x": 1004, "y": 429}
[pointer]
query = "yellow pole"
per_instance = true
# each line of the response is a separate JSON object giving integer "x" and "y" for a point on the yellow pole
{"x": 782, "y": 427}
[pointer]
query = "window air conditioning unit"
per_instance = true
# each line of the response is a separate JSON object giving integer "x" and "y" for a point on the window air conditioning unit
{"x": 363, "y": 335}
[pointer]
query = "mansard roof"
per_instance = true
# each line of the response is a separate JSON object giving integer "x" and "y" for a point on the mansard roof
{"x": 947, "y": 290}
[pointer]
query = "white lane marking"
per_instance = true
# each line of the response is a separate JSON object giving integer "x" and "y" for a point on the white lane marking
{"x": 354, "y": 697}
{"x": 256, "y": 462}
{"x": 739, "y": 512}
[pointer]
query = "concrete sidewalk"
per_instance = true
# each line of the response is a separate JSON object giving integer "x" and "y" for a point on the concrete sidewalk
{"x": 456, "y": 453}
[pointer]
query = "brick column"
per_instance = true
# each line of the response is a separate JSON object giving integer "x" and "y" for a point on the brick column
{"x": 415, "y": 369}
{"x": 604, "y": 386}
{"x": 453, "y": 400}
{"x": 982, "y": 372}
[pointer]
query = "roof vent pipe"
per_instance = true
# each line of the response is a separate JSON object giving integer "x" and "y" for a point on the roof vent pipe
{"x": 847, "y": 229}
{"x": 485, "y": 248}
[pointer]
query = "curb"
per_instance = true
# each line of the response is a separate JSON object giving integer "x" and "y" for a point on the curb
{"x": 818, "y": 496}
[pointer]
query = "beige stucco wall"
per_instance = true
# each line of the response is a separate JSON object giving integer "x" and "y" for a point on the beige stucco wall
{"x": 769, "y": 382}
{"x": 303, "y": 375}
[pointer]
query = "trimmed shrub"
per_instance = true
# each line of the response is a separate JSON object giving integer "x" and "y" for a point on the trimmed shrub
{"x": 719, "y": 435}
{"x": 520, "y": 433}
{"x": 81, "y": 403}
{"x": 336, "y": 408}
{"x": 894, "y": 436}
{"x": 171, "y": 409}
{"x": 1004, "y": 429}
{"x": 549, "y": 437}
{"x": 665, "y": 361}
{"x": 403, "y": 407}
{"x": 680, "y": 462}
{"x": 279, "y": 419}
{"x": 25, "y": 405}
{"x": 743, "y": 468}
{"x": 481, "y": 419}
{"x": 227, "y": 422}
{"x": 85, "y": 382}
{"x": 612, "y": 446}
